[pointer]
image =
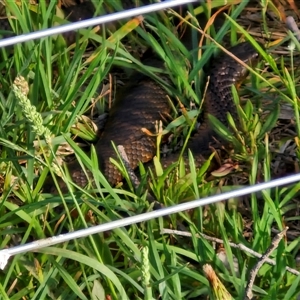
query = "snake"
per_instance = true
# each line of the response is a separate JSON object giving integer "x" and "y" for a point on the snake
{"x": 145, "y": 102}
{"x": 141, "y": 104}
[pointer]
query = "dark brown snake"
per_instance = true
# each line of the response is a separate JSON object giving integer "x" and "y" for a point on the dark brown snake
{"x": 145, "y": 102}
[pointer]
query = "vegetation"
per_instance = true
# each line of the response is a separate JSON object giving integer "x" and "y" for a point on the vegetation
{"x": 68, "y": 86}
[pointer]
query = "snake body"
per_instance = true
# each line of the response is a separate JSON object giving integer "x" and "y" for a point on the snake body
{"x": 145, "y": 102}
{"x": 224, "y": 73}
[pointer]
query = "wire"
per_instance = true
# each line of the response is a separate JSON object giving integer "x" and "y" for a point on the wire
{"x": 6, "y": 253}
{"x": 93, "y": 22}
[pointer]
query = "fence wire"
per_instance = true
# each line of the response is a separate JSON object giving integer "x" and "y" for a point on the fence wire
{"x": 7, "y": 253}
{"x": 129, "y": 13}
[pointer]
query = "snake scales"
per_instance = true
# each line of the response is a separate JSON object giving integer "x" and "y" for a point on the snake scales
{"x": 145, "y": 102}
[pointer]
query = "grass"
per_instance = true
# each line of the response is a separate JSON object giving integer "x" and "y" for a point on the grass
{"x": 139, "y": 262}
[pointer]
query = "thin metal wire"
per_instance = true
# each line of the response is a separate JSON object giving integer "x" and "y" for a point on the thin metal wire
{"x": 6, "y": 253}
{"x": 93, "y": 22}
{"x": 292, "y": 26}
